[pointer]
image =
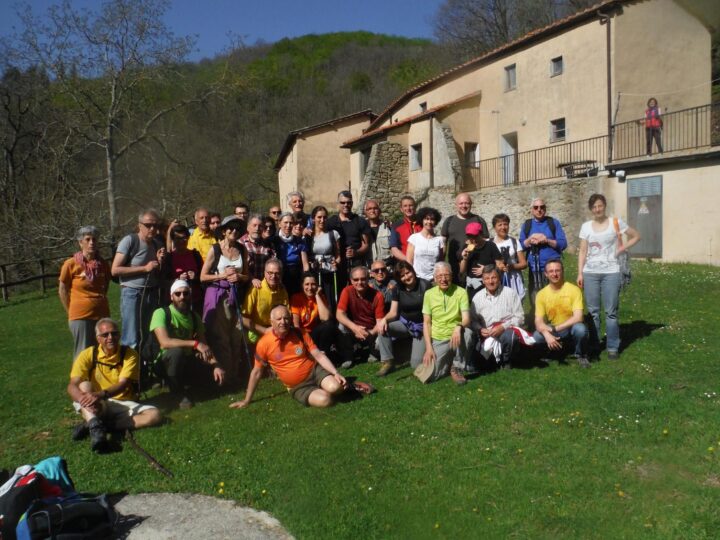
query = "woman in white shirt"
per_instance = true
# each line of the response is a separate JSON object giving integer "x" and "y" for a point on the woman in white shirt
{"x": 514, "y": 261}
{"x": 424, "y": 248}
{"x": 599, "y": 270}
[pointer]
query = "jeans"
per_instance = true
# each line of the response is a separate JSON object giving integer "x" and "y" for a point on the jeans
{"x": 607, "y": 285}
{"x": 398, "y": 330}
{"x": 133, "y": 314}
{"x": 650, "y": 134}
{"x": 578, "y": 334}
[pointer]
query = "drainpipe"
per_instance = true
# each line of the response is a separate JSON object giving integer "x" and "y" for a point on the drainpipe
{"x": 432, "y": 153}
{"x": 606, "y": 20}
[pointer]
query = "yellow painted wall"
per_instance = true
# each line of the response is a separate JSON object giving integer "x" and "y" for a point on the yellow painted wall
{"x": 287, "y": 176}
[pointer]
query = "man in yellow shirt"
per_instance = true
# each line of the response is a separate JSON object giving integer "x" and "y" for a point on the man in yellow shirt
{"x": 202, "y": 238}
{"x": 259, "y": 302}
{"x": 102, "y": 382}
{"x": 559, "y": 314}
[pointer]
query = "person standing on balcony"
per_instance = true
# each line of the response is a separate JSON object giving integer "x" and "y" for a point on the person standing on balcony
{"x": 653, "y": 126}
{"x": 453, "y": 230}
{"x": 543, "y": 238}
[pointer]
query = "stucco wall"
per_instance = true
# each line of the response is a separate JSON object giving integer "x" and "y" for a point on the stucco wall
{"x": 287, "y": 176}
{"x": 662, "y": 51}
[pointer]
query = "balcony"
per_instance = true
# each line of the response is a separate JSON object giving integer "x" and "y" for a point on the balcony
{"x": 696, "y": 128}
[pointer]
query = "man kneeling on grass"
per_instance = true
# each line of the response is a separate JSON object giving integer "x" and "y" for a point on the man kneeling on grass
{"x": 309, "y": 375}
{"x": 102, "y": 386}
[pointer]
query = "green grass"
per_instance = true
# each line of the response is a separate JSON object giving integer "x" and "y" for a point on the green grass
{"x": 621, "y": 450}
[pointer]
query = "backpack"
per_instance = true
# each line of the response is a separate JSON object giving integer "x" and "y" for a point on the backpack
{"x": 150, "y": 369}
{"x": 119, "y": 365}
{"x": 134, "y": 248}
{"x": 217, "y": 253}
{"x": 75, "y": 517}
{"x": 551, "y": 223}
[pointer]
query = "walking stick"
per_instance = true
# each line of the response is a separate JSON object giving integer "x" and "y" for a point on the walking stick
{"x": 335, "y": 285}
{"x": 130, "y": 438}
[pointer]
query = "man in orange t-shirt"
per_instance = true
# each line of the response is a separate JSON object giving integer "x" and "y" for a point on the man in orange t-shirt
{"x": 308, "y": 374}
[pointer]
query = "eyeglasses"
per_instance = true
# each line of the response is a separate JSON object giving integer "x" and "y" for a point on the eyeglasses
{"x": 539, "y": 207}
{"x": 113, "y": 333}
{"x": 150, "y": 225}
{"x": 181, "y": 293}
{"x": 272, "y": 273}
{"x": 378, "y": 270}
{"x": 356, "y": 279}
{"x": 268, "y": 227}
{"x": 275, "y": 212}
{"x": 345, "y": 203}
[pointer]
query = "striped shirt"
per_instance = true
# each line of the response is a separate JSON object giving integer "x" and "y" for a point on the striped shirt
{"x": 504, "y": 306}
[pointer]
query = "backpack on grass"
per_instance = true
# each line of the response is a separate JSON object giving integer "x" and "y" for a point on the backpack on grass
{"x": 75, "y": 517}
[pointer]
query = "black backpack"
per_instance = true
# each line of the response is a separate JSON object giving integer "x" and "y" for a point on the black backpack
{"x": 118, "y": 366}
{"x": 551, "y": 223}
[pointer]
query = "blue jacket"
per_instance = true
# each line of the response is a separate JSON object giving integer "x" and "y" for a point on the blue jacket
{"x": 546, "y": 253}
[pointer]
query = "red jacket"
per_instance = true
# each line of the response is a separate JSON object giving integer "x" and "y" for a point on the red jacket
{"x": 652, "y": 118}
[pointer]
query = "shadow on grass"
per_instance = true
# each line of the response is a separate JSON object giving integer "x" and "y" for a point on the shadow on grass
{"x": 636, "y": 330}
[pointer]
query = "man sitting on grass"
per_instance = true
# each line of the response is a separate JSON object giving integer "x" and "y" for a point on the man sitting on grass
{"x": 186, "y": 357}
{"x": 561, "y": 303}
{"x": 102, "y": 386}
{"x": 308, "y": 374}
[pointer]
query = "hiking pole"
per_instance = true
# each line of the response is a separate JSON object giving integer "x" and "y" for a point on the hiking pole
{"x": 335, "y": 285}
{"x": 238, "y": 314}
{"x": 130, "y": 438}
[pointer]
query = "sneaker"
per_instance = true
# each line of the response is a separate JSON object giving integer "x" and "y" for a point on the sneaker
{"x": 80, "y": 432}
{"x": 458, "y": 377}
{"x": 386, "y": 368}
{"x": 347, "y": 364}
{"x": 185, "y": 403}
{"x": 98, "y": 440}
{"x": 583, "y": 362}
{"x": 613, "y": 355}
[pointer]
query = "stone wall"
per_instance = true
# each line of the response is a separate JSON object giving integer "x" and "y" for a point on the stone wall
{"x": 566, "y": 200}
{"x": 447, "y": 171}
{"x": 386, "y": 175}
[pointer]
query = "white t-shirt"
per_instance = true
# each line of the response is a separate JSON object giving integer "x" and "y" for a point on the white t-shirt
{"x": 427, "y": 253}
{"x": 602, "y": 247}
{"x": 224, "y": 262}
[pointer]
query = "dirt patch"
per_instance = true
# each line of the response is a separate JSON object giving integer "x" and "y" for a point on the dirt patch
{"x": 166, "y": 516}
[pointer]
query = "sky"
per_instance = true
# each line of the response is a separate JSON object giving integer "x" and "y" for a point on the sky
{"x": 271, "y": 20}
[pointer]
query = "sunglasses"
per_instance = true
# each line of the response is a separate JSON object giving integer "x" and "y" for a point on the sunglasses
{"x": 378, "y": 270}
{"x": 346, "y": 203}
{"x": 275, "y": 212}
{"x": 114, "y": 334}
{"x": 181, "y": 293}
{"x": 150, "y": 225}
{"x": 359, "y": 279}
{"x": 540, "y": 207}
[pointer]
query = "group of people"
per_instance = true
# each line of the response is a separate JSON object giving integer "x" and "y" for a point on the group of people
{"x": 307, "y": 294}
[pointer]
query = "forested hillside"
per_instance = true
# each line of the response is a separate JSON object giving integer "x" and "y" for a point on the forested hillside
{"x": 220, "y": 126}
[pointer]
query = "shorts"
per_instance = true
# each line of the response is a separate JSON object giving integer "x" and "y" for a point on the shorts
{"x": 302, "y": 391}
{"x": 116, "y": 408}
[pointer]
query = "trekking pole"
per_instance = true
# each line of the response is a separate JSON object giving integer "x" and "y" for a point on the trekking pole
{"x": 238, "y": 313}
{"x": 335, "y": 285}
{"x": 130, "y": 438}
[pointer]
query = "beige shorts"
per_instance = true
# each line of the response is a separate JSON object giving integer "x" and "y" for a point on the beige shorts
{"x": 116, "y": 408}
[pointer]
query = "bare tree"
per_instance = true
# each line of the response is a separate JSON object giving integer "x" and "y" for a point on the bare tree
{"x": 472, "y": 27}
{"x": 116, "y": 70}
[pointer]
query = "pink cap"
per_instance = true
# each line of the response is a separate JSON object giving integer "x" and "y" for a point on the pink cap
{"x": 473, "y": 229}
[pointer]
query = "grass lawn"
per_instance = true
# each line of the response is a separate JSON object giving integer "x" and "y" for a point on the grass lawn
{"x": 626, "y": 449}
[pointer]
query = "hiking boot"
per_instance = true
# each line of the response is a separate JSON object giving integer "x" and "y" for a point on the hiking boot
{"x": 347, "y": 364}
{"x": 80, "y": 432}
{"x": 98, "y": 440}
{"x": 457, "y": 377}
{"x": 185, "y": 403}
{"x": 613, "y": 355}
{"x": 583, "y": 362}
{"x": 386, "y": 368}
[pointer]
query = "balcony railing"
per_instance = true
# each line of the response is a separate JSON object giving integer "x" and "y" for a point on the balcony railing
{"x": 694, "y": 128}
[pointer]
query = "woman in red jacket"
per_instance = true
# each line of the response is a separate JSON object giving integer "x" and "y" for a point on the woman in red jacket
{"x": 653, "y": 126}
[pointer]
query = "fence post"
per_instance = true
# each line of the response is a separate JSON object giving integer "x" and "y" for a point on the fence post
{"x": 42, "y": 274}
{"x": 3, "y": 280}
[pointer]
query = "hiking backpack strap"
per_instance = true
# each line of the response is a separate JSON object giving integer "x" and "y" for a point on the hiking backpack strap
{"x": 528, "y": 225}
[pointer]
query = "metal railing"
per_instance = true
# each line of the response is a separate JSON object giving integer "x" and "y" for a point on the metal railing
{"x": 693, "y": 128}
{"x": 533, "y": 165}
{"x": 696, "y": 127}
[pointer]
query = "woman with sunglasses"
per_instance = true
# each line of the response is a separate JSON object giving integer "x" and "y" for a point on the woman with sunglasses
{"x": 225, "y": 273}
{"x": 292, "y": 251}
{"x": 183, "y": 263}
{"x": 324, "y": 254}
{"x": 83, "y": 286}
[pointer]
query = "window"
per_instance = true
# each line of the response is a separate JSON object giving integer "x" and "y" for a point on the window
{"x": 416, "y": 157}
{"x": 510, "y": 78}
{"x": 557, "y": 130}
{"x": 423, "y": 106}
{"x": 364, "y": 160}
{"x": 556, "y": 66}
{"x": 472, "y": 154}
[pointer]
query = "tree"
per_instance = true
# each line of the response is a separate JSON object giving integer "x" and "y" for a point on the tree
{"x": 472, "y": 27}
{"x": 114, "y": 71}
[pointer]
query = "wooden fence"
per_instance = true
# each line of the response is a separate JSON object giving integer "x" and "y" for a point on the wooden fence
{"x": 13, "y": 274}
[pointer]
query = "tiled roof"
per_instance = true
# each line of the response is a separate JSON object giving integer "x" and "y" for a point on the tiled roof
{"x": 293, "y": 135}
{"x": 528, "y": 38}
{"x": 409, "y": 120}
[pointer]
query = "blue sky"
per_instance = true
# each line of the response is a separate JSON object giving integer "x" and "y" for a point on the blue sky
{"x": 271, "y": 20}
